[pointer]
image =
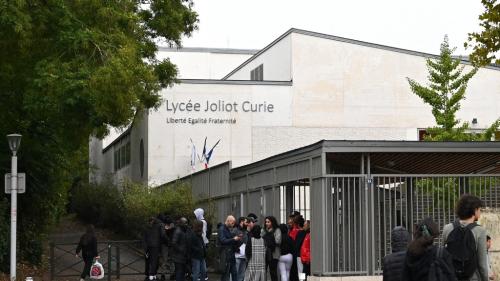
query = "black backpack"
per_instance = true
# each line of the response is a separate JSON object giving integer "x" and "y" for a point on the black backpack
{"x": 440, "y": 270}
{"x": 462, "y": 247}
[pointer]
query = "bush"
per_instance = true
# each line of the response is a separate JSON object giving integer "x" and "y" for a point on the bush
{"x": 127, "y": 210}
{"x": 4, "y": 235}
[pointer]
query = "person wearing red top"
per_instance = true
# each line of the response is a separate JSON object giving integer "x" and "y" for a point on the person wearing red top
{"x": 305, "y": 250}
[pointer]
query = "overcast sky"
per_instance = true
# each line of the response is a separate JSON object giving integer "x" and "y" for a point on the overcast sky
{"x": 414, "y": 25}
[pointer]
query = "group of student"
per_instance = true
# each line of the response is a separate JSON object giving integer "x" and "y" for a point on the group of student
{"x": 250, "y": 250}
{"x": 463, "y": 255}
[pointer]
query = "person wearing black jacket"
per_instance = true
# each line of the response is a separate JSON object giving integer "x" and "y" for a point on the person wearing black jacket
{"x": 154, "y": 236}
{"x": 88, "y": 247}
{"x": 287, "y": 252}
{"x": 393, "y": 263}
{"x": 423, "y": 256}
{"x": 197, "y": 251}
{"x": 180, "y": 251}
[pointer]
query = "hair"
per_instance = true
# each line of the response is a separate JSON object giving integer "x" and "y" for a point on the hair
{"x": 283, "y": 228}
{"x": 229, "y": 219}
{"x": 240, "y": 219}
{"x": 197, "y": 227}
{"x": 256, "y": 231}
{"x": 423, "y": 236}
{"x": 299, "y": 220}
{"x": 488, "y": 238}
{"x": 467, "y": 205}
{"x": 90, "y": 229}
{"x": 274, "y": 222}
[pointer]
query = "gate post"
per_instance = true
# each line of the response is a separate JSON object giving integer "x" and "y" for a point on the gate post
{"x": 118, "y": 261}
{"x": 109, "y": 262}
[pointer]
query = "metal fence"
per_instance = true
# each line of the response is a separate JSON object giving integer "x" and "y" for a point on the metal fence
{"x": 366, "y": 208}
{"x": 119, "y": 258}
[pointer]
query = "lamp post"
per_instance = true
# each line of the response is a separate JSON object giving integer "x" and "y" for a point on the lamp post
{"x": 14, "y": 143}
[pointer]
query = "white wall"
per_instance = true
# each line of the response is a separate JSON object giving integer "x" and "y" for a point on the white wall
{"x": 170, "y": 146}
{"x": 204, "y": 64}
{"x": 276, "y": 62}
{"x": 337, "y": 84}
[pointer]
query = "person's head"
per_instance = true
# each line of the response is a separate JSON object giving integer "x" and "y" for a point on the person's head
{"x": 307, "y": 225}
{"x": 242, "y": 222}
{"x": 423, "y": 236}
{"x": 255, "y": 231}
{"x": 90, "y": 229}
{"x": 230, "y": 221}
{"x": 284, "y": 228}
{"x": 469, "y": 206}
{"x": 198, "y": 227}
{"x": 254, "y": 217}
{"x": 250, "y": 222}
{"x": 400, "y": 237}
{"x": 270, "y": 223}
{"x": 298, "y": 221}
{"x": 488, "y": 242}
{"x": 199, "y": 213}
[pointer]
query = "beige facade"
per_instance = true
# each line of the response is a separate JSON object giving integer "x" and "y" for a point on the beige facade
{"x": 315, "y": 87}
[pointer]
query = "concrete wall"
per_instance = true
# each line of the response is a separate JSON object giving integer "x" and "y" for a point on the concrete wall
{"x": 276, "y": 61}
{"x": 170, "y": 147}
{"x": 203, "y": 63}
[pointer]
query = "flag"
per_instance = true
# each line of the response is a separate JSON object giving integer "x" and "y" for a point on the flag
{"x": 203, "y": 155}
{"x": 193, "y": 155}
{"x": 209, "y": 154}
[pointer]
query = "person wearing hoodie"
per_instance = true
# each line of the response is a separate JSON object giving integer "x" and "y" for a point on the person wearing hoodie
{"x": 200, "y": 216}
{"x": 422, "y": 254}
{"x": 153, "y": 238}
{"x": 393, "y": 264}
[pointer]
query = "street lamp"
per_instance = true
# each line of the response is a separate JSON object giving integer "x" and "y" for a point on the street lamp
{"x": 14, "y": 143}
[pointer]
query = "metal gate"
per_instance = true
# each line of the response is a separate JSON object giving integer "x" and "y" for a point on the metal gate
{"x": 364, "y": 209}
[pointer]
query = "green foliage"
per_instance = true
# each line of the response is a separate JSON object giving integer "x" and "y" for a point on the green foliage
{"x": 445, "y": 191}
{"x": 70, "y": 69}
{"x": 446, "y": 89}
{"x": 127, "y": 210}
{"x": 486, "y": 44}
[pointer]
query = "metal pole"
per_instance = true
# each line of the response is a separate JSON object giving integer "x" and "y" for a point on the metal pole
{"x": 13, "y": 217}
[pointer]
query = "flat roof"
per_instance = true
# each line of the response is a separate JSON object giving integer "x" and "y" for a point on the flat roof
{"x": 397, "y": 156}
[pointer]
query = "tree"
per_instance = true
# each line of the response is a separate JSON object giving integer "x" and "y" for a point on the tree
{"x": 486, "y": 44}
{"x": 69, "y": 70}
{"x": 447, "y": 86}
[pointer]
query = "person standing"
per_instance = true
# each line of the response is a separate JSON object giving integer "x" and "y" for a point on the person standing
{"x": 197, "y": 252}
{"x": 423, "y": 255}
{"x": 465, "y": 238}
{"x": 272, "y": 239}
{"x": 392, "y": 264}
{"x": 286, "y": 254}
{"x": 200, "y": 216}
{"x": 88, "y": 246}
{"x": 241, "y": 261}
{"x": 491, "y": 273}
{"x": 153, "y": 238}
{"x": 229, "y": 243}
{"x": 255, "y": 252}
{"x": 180, "y": 249}
{"x": 305, "y": 250}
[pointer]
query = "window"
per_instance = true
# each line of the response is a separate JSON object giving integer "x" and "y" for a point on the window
{"x": 257, "y": 74}
{"x": 121, "y": 155}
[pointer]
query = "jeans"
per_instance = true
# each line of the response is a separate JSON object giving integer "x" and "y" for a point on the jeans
{"x": 180, "y": 271}
{"x": 241, "y": 266}
{"x": 86, "y": 268}
{"x": 273, "y": 269}
{"x": 198, "y": 269}
{"x": 230, "y": 269}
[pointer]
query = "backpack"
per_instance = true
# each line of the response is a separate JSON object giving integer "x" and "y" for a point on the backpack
{"x": 440, "y": 270}
{"x": 462, "y": 247}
